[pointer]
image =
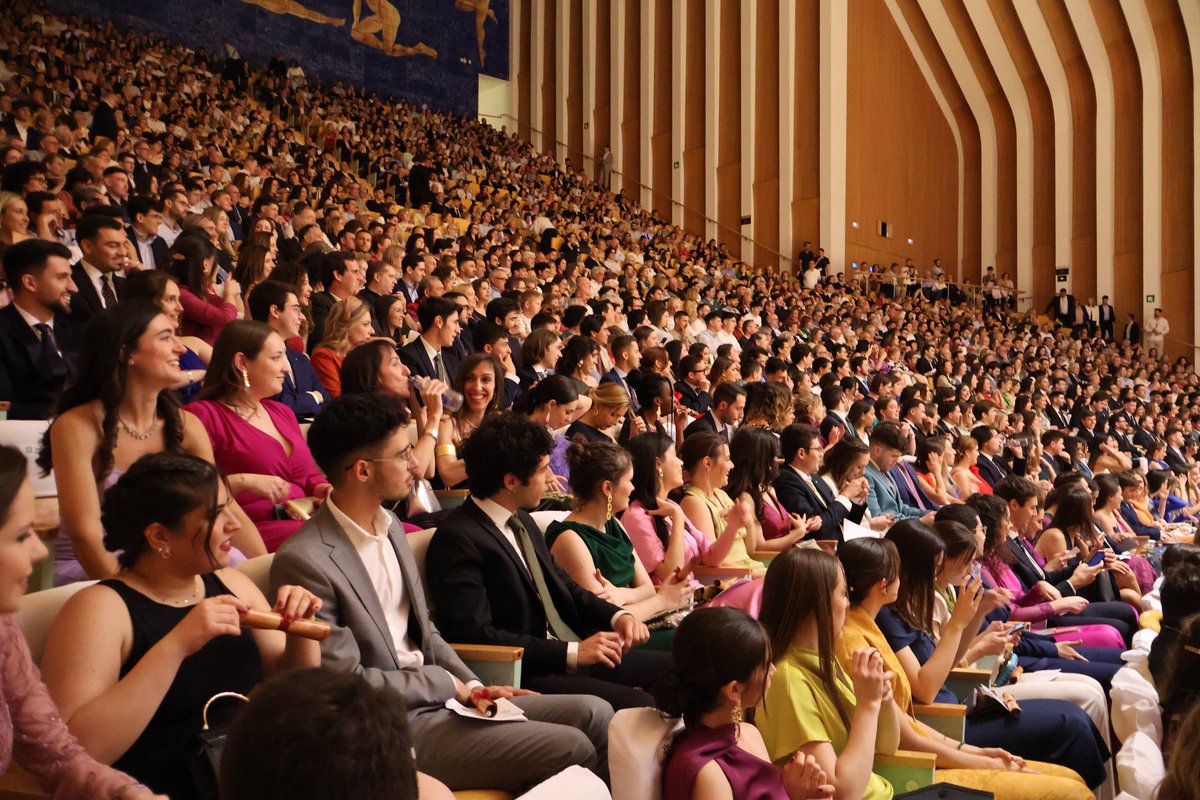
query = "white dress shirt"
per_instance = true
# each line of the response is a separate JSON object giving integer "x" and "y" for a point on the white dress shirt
{"x": 97, "y": 279}
{"x": 382, "y": 566}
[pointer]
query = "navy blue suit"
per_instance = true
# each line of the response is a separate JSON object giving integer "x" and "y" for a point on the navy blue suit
{"x": 797, "y": 497}
{"x": 298, "y": 384}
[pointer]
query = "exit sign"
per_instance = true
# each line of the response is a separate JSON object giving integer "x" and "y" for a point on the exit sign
{"x": 1150, "y": 298}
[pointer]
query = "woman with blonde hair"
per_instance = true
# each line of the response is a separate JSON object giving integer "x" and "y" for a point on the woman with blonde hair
{"x": 14, "y": 220}
{"x": 220, "y": 219}
{"x": 769, "y": 405}
{"x": 348, "y": 324}
{"x": 610, "y": 403}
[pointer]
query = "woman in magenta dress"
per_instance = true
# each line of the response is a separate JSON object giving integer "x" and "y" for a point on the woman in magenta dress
{"x": 665, "y": 540}
{"x": 257, "y": 441}
{"x": 755, "y": 455}
{"x": 193, "y": 265}
{"x": 1040, "y": 602}
{"x": 721, "y": 669}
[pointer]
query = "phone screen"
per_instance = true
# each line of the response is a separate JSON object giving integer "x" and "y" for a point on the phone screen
{"x": 1097, "y": 559}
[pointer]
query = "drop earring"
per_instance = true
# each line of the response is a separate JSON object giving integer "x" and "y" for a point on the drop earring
{"x": 245, "y": 378}
{"x": 737, "y": 719}
{"x": 608, "y": 511}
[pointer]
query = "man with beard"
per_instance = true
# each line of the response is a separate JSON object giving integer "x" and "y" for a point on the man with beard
{"x": 38, "y": 342}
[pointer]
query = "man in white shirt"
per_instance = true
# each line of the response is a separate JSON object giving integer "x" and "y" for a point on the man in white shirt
{"x": 175, "y": 209}
{"x": 1156, "y": 332}
{"x": 356, "y": 558}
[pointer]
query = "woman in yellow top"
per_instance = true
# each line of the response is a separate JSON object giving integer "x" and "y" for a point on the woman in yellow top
{"x": 706, "y": 463}
{"x": 872, "y": 570}
{"x": 810, "y": 705}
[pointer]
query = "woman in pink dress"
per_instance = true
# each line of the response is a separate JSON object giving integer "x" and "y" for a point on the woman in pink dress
{"x": 965, "y": 475}
{"x": 31, "y": 729}
{"x": 662, "y": 536}
{"x": 755, "y": 455}
{"x": 256, "y": 441}
{"x": 193, "y": 265}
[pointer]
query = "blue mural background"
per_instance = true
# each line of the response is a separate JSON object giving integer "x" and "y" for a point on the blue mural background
{"x": 327, "y": 53}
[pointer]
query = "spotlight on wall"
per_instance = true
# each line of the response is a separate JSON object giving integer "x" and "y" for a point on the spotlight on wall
{"x": 910, "y": 241}
{"x": 854, "y": 225}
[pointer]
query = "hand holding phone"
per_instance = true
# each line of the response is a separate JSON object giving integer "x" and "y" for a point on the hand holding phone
{"x": 1097, "y": 558}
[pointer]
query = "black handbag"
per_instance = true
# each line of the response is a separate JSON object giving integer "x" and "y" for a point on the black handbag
{"x": 204, "y": 756}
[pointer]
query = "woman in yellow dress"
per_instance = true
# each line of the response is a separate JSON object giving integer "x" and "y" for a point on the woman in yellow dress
{"x": 707, "y": 465}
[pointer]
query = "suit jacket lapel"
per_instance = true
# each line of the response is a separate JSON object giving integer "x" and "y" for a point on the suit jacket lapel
{"x": 486, "y": 523}
{"x": 347, "y": 560}
{"x": 418, "y": 612}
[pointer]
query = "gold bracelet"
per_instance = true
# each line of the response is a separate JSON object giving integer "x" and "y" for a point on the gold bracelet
{"x": 445, "y": 450}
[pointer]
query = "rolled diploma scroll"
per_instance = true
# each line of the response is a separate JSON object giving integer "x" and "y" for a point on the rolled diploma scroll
{"x": 270, "y": 621}
{"x": 483, "y": 702}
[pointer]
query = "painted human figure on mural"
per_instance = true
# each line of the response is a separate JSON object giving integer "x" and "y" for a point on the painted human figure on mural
{"x": 297, "y": 10}
{"x": 378, "y": 29}
{"x": 483, "y": 12}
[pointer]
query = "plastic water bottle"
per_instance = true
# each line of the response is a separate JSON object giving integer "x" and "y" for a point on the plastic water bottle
{"x": 452, "y": 400}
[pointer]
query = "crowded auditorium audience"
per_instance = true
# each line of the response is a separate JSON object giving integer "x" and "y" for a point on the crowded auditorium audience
{"x": 436, "y": 400}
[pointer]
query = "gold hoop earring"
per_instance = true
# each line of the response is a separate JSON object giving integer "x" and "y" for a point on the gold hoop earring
{"x": 737, "y": 719}
{"x": 608, "y": 511}
{"x": 245, "y": 378}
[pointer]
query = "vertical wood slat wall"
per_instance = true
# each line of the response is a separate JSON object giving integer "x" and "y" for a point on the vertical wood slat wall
{"x": 997, "y": 133}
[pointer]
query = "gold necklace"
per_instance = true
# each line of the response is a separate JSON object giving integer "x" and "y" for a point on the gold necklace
{"x": 167, "y": 601}
{"x": 254, "y": 413}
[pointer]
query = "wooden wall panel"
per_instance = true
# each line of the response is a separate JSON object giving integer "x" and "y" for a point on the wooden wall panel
{"x": 1127, "y": 222}
{"x": 1042, "y": 112}
{"x": 601, "y": 117}
{"x": 550, "y": 78}
{"x": 631, "y": 122}
{"x": 908, "y": 177}
{"x": 729, "y": 140}
{"x": 806, "y": 194}
{"x": 766, "y": 135}
{"x": 1083, "y": 138}
{"x": 660, "y": 135}
{"x": 969, "y": 267}
{"x": 1006, "y": 139}
{"x": 575, "y": 111}
{"x": 693, "y": 122}
{"x": 1178, "y": 232}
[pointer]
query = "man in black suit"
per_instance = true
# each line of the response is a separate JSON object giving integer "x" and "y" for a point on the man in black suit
{"x": 837, "y": 403}
{"x": 430, "y": 354}
{"x": 276, "y": 304}
{"x": 1176, "y": 458}
{"x": 1056, "y": 411}
{"x": 1052, "y": 448}
{"x": 1132, "y": 334}
{"x": 1062, "y": 308}
{"x": 1108, "y": 318}
{"x": 104, "y": 117}
{"x": 38, "y": 341}
{"x": 625, "y": 355}
{"x": 1021, "y": 495}
{"x": 729, "y": 406}
{"x": 98, "y": 275}
{"x": 145, "y": 215}
{"x": 420, "y": 175}
{"x": 802, "y": 491}
{"x": 342, "y": 276}
{"x": 493, "y": 581}
{"x": 991, "y": 468}
{"x": 693, "y": 386}
{"x": 493, "y": 340}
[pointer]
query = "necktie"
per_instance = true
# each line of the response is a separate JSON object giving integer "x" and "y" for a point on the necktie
{"x": 49, "y": 359}
{"x": 107, "y": 293}
{"x": 439, "y": 368}
{"x": 554, "y": 620}
{"x": 1033, "y": 558}
{"x": 813, "y": 486}
{"x": 912, "y": 488}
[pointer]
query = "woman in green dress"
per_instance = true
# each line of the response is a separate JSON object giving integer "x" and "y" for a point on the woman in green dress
{"x": 593, "y": 548}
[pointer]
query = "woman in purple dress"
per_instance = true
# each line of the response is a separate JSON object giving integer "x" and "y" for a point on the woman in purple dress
{"x": 257, "y": 441}
{"x": 722, "y": 667}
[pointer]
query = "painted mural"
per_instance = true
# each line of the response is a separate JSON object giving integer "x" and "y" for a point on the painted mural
{"x": 425, "y": 51}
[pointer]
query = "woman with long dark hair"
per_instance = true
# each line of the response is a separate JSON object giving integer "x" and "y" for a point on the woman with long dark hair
{"x": 706, "y": 463}
{"x": 873, "y": 579}
{"x": 721, "y": 669}
{"x": 193, "y": 264}
{"x": 117, "y": 408}
{"x": 480, "y": 380}
{"x": 32, "y": 731}
{"x": 132, "y": 660}
{"x": 813, "y": 706}
{"x": 1073, "y": 535}
{"x": 755, "y": 455}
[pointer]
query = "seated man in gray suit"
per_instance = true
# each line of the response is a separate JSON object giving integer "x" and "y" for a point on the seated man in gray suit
{"x": 354, "y": 556}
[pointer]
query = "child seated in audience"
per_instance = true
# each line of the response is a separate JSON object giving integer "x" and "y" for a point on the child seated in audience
{"x": 133, "y": 660}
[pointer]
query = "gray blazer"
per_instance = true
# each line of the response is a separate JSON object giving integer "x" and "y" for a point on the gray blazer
{"x": 321, "y": 558}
